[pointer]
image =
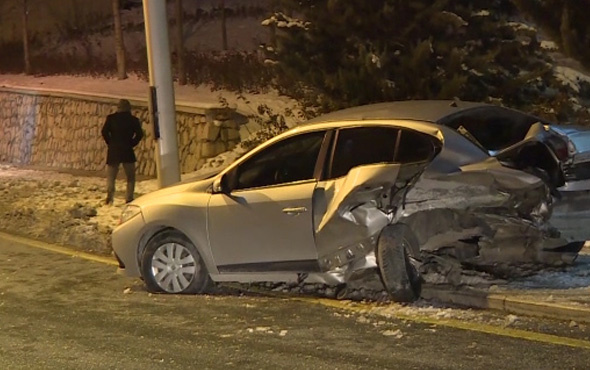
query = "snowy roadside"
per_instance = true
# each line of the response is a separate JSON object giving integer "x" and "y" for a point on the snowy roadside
{"x": 57, "y": 208}
{"x": 65, "y": 208}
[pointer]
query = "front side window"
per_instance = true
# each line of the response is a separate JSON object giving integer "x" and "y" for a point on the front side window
{"x": 292, "y": 159}
{"x": 362, "y": 145}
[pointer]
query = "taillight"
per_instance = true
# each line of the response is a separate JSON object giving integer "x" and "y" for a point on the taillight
{"x": 559, "y": 147}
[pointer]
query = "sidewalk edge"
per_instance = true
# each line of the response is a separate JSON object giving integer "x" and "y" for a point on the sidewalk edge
{"x": 509, "y": 304}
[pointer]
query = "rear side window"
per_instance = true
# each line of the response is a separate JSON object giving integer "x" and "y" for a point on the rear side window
{"x": 362, "y": 145}
{"x": 415, "y": 147}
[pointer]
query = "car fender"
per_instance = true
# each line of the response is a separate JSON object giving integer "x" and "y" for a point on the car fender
{"x": 185, "y": 217}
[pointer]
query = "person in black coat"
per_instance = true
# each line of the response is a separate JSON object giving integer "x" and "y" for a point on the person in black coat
{"x": 121, "y": 132}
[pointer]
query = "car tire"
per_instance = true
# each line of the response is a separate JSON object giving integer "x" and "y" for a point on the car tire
{"x": 400, "y": 278}
{"x": 172, "y": 264}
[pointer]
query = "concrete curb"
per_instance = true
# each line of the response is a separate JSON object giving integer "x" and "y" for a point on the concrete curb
{"x": 506, "y": 303}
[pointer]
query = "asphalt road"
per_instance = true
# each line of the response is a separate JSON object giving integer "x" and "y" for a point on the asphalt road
{"x": 63, "y": 312}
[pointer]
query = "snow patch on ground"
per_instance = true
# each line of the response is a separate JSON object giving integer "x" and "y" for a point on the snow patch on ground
{"x": 576, "y": 276}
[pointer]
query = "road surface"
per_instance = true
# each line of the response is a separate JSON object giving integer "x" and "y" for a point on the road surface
{"x": 64, "y": 312}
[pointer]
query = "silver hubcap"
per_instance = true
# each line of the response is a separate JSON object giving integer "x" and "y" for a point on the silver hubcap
{"x": 173, "y": 267}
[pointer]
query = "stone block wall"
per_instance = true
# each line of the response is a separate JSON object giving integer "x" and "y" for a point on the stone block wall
{"x": 62, "y": 131}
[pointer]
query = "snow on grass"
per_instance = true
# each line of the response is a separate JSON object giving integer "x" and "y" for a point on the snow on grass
{"x": 481, "y": 13}
{"x": 519, "y": 26}
{"x": 571, "y": 77}
{"x": 549, "y": 45}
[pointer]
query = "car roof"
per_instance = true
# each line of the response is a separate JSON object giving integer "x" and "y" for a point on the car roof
{"x": 419, "y": 115}
{"x": 418, "y": 110}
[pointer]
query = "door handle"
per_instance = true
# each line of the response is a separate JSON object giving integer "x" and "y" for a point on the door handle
{"x": 294, "y": 211}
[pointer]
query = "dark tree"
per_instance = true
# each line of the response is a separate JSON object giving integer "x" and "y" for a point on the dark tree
{"x": 26, "y": 52}
{"x": 565, "y": 21}
{"x": 350, "y": 52}
{"x": 119, "y": 42}
{"x": 223, "y": 26}
{"x": 180, "y": 54}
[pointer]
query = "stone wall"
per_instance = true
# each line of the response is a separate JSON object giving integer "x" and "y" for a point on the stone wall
{"x": 62, "y": 131}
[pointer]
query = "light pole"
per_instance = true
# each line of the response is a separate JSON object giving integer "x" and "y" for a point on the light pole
{"x": 162, "y": 106}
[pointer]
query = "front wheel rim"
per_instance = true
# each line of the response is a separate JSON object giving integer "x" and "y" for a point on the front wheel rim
{"x": 173, "y": 267}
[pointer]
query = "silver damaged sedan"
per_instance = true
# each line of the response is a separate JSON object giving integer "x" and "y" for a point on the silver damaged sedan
{"x": 352, "y": 191}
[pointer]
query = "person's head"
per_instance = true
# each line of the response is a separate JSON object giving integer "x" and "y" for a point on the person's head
{"x": 124, "y": 106}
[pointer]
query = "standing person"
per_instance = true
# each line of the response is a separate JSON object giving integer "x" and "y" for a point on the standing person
{"x": 121, "y": 132}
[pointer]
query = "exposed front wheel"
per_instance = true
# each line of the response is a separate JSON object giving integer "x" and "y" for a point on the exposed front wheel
{"x": 172, "y": 264}
{"x": 399, "y": 276}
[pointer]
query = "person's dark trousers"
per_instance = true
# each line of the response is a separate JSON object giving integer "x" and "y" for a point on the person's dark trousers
{"x": 112, "y": 171}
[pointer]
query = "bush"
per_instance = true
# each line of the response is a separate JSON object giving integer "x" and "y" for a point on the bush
{"x": 337, "y": 54}
{"x": 271, "y": 124}
{"x": 235, "y": 71}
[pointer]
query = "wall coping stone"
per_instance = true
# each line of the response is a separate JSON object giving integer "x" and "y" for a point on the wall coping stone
{"x": 181, "y": 106}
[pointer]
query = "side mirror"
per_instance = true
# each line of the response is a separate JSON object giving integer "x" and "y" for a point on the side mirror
{"x": 220, "y": 185}
{"x": 225, "y": 183}
{"x": 217, "y": 188}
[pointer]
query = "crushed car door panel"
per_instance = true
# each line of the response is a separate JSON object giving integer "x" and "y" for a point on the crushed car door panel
{"x": 350, "y": 211}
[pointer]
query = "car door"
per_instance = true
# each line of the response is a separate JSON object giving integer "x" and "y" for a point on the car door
{"x": 265, "y": 222}
{"x": 353, "y": 147}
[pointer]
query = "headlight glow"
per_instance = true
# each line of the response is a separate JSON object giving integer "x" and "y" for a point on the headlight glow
{"x": 129, "y": 212}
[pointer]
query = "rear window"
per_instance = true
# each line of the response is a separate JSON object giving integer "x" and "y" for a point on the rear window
{"x": 494, "y": 128}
